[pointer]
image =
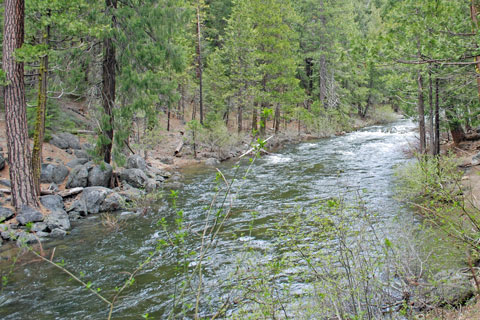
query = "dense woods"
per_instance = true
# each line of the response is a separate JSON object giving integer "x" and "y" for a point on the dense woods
{"x": 246, "y": 66}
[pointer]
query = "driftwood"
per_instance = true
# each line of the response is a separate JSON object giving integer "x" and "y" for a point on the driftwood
{"x": 71, "y": 192}
{"x": 179, "y": 148}
{"x": 63, "y": 194}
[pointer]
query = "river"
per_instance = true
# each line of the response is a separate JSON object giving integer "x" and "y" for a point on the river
{"x": 295, "y": 177}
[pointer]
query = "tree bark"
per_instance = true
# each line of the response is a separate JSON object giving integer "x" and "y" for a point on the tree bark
{"x": 277, "y": 118}
{"x": 39, "y": 133}
{"x": 23, "y": 189}
{"x": 199, "y": 61}
{"x": 431, "y": 128}
{"x": 474, "y": 13}
{"x": 108, "y": 90}
{"x": 255, "y": 118}
{"x": 421, "y": 113}
{"x": 437, "y": 117}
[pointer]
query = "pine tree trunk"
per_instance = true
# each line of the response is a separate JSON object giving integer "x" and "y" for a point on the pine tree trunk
{"x": 255, "y": 118}
{"x": 322, "y": 80}
{"x": 421, "y": 113}
{"x": 39, "y": 133}
{"x": 240, "y": 118}
{"x": 431, "y": 128}
{"x": 474, "y": 13}
{"x": 199, "y": 62}
{"x": 277, "y": 118}
{"x": 108, "y": 91}
{"x": 437, "y": 117}
{"x": 19, "y": 156}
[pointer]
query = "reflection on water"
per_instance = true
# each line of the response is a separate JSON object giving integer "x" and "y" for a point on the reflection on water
{"x": 297, "y": 176}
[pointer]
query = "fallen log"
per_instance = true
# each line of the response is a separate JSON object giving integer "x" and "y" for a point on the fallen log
{"x": 179, "y": 148}
{"x": 71, "y": 192}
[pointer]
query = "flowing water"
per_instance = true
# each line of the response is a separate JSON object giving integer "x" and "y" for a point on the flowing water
{"x": 297, "y": 176}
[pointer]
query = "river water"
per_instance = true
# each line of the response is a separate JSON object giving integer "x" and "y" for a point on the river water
{"x": 295, "y": 177}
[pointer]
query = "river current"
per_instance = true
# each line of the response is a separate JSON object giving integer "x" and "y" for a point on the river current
{"x": 297, "y": 176}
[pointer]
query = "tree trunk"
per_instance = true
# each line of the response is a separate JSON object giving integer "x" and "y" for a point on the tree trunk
{"x": 23, "y": 189}
{"x": 199, "y": 61}
{"x": 437, "y": 117}
{"x": 277, "y": 118}
{"x": 322, "y": 80}
{"x": 41, "y": 112}
{"x": 108, "y": 91}
{"x": 240, "y": 117}
{"x": 255, "y": 118}
{"x": 474, "y": 13}
{"x": 431, "y": 128}
{"x": 421, "y": 113}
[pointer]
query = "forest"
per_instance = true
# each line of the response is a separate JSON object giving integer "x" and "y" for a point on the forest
{"x": 322, "y": 153}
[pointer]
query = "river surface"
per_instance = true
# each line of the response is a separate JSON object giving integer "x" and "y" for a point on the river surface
{"x": 295, "y": 177}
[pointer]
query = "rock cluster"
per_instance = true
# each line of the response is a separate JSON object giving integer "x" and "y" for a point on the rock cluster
{"x": 89, "y": 182}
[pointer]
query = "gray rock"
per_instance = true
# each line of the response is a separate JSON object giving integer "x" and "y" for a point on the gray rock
{"x": 78, "y": 177}
{"x": 135, "y": 177}
{"x": 58, "y": 142}
{"x": 58, "y": 233}
{"x": 151, "y": 185}
{"x": 39, "y": 227}
{"x": 58, "y": 219}
{"x": 177, "y": 177}
{"x": 28, "y": 214}
{"x": 93, "y": 198}
{"x": 70, "y": 139}
{"x": 53, "y": 173}
{"x": 77, "y": 162}
{"x": 157, "y": 172}
{"x": 136, "y": 162}
{"x": 53, "y": 203}
{"x": 42, "y": 234}
{"x": 172, "y": 185}
{"x": 2, "y": 162}
{"x": 5, "y": 183}
{"x": 6, "y": 214}
{"x": 23, "y": 237}
{"x": 476, "y": 159}
{"x": 132, "y": 194}
{"x": 82, "y": 154}
{"x": 100, "y": 175}
{"x": 69, "y": 151}
{"x": 212, "y": 162}
{"x": 112, "y": 202}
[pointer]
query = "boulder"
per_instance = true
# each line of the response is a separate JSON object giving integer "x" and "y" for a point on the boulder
{"x": 100, "y": 175}
{"x": 58, "y": 142}
{"x": 52, "y": 203}
{"x": 58, "y": 220}
{"x": 112, "y": 202}
{"x": 6, "y": 214}
{"x": 28, "y": 214}
{"x": 212, "y": 162}
{"x": 78, "y": 177}
{"x": 39, "y": 227}
{"x": 151, "y": 185}
{"x": 2, "y": 162}
{"x": 166, "y": 160}
{"x": 70, "y": 139}
{"x": 58, "y": 233}
{"x": 77, "y": 162}
{"x": 136, "y": 162}
{"x": 132, "y": 194}
{"x": 53, "y": 173}
{"x": 23, "y": 237}
{"x": 93, "y": 198}
{"x": 134, "y": 177}
{"x": 82, "y": 154}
